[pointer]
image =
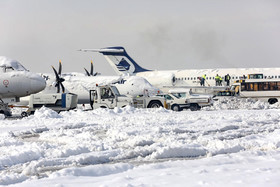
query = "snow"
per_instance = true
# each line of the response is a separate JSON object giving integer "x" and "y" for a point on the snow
{"x": 5, "y": 61}
{"x": 233, "y": 143}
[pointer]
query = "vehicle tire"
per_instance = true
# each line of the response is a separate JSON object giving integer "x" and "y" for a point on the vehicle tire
{"x": 195, "y": 107}
{"x": 272, "y": 101}
{"x": 176, "y": 107}
{"x": 24, "y": 114}
{"x": 155, "y": 104}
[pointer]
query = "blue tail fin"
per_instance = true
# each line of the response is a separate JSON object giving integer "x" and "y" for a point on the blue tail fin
{"x": 121, "y": 62}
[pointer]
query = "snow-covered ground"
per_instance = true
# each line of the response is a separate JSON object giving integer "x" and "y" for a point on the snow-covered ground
{"x": 233, "y": 143}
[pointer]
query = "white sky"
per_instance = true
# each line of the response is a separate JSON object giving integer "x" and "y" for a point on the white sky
{"x": 158, "y": 34}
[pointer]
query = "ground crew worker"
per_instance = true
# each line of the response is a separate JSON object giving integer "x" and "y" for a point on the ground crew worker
{"x": 203, "y": 80}
{"x": 217, "y": 79}
{"x": 220, "y": 81}
{"x": 227, "y": 79}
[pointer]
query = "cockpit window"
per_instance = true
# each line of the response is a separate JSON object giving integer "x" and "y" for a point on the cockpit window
{"x": 6, "y": 68}
{"x": 7, "y": 64}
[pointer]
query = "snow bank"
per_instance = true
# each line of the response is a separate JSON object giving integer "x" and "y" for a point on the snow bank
{"x": 94, "y": 147}
{"x": 241, "y": 103}
{"x": 97, "y": 170}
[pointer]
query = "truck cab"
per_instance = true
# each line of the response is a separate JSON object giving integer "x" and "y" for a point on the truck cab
{"x": 108, "y": 97}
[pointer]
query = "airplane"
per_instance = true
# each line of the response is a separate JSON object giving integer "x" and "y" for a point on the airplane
{"x": 17, "y": 82}
{"x": 123, "y": 64}
{"x": 81, "y": 84}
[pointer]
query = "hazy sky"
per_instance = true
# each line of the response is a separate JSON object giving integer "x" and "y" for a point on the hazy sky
{"x": 158, "y": 34}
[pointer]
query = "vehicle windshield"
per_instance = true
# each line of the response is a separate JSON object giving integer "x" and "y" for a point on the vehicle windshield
{"x": 115, "y": 90}
{"x": 179, "y": 95}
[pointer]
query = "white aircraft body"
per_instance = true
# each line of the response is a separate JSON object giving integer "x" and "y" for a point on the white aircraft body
{"x": 81, "y": 84}
{"x": 122, "y": 63}
{"x": 16, "y": 81}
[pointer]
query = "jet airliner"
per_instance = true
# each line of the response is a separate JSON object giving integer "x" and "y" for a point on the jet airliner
{"x": 122, "y": 64}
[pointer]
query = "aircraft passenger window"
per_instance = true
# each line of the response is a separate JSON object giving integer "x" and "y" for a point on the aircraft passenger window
{"x": 191, "y": 78}
{"x": 194, "y": 78}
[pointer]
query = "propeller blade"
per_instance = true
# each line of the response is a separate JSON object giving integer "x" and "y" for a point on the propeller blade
{"x": 60, "y": 68}
{"x": 63, "y": 89}
{"x": 56, "y": 74}
{"x": 91, "y": 68}
{"x": 95, "y": 74}
{"x": 88, "y": 74}
{"x": 58, "y": 88}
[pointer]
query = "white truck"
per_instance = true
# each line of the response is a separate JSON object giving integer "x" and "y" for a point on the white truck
{"x": 108, "y": 96}
{"x": 57, "y": 102}
{"x": 179, "y": 100}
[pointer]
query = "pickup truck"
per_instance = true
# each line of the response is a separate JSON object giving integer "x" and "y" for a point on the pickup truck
{"x": 178, "y": 101}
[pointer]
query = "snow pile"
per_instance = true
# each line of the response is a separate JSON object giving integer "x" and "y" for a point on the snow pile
{"x": 45, "y": 112}
{"x": 133, "y": 147}
{"x": 235, "y": 103}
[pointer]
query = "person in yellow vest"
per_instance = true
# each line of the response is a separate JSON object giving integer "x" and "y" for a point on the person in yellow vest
{"x": 220, "y": 81}
{"x": 217, "y": 79}
{"x": 203, "y": 78}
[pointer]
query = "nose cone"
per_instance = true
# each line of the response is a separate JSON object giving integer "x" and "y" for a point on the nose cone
{"x": 38, "y": 84}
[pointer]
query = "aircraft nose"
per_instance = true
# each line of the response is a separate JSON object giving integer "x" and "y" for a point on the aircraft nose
{"x": 38, "y": 84}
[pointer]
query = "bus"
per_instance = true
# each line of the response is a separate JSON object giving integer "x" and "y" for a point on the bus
{"x": 263, "y": 89}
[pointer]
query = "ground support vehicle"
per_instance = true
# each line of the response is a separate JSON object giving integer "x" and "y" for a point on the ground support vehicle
{"x": 267, "y": 90}
{"x": 108, "y": 96}
{"x": 178, "y": 101}
{"x": 57, "y": 102}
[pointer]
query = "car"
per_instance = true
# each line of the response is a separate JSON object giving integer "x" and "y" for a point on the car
{"x": 178, "y": 101}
